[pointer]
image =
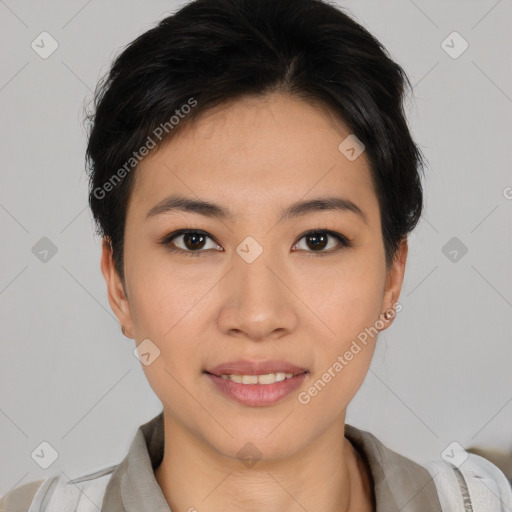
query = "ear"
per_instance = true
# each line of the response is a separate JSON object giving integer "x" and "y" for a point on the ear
{"x": 394, "y": 280}
{"x": 115, "y": 290}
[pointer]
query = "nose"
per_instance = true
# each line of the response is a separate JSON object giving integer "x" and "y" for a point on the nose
{"x": 258, "y": 302}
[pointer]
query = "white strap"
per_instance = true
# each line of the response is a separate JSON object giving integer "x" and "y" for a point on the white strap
{"x": 488, "y": 486}
{"x": 57, "y": 493}
{"x": 447, "y": 486}
{"x": 477, "y": 485}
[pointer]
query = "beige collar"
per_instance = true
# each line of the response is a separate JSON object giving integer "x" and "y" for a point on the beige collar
{"x": 399, "y": 483}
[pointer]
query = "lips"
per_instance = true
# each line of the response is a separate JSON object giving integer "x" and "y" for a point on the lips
{"x": 246, "y": 367}
{"x": 260, "y": 394}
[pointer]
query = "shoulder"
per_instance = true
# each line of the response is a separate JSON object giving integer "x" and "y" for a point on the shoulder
{"x": 473, "y": 479}
{"x": 20, "y": 498}
{"x": 459, "y": 481}
{"x": 59, "y": 493}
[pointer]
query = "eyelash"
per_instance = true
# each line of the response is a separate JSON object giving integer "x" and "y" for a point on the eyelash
{"x": 343, "y": 241}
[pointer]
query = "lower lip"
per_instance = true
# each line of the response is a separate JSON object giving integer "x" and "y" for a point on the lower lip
{"x": 257, "y": 394}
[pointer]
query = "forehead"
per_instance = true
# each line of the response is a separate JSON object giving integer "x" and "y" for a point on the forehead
{"x": 254, "y": 153}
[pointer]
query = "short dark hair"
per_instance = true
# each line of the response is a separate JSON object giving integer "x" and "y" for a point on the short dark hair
{"x": 214, "y": 51}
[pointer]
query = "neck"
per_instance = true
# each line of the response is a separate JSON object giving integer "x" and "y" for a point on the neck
{"x": 325, "y": 475}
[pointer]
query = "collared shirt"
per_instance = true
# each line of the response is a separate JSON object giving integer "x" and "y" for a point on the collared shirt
{"x": 399, "y": 484}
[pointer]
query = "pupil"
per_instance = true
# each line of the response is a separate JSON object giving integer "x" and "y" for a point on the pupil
{"x": 319, "y": 241}
{"x": 195, "y": 238}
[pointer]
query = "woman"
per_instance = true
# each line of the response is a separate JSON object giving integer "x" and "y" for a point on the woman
{"x": 254, "y": 181}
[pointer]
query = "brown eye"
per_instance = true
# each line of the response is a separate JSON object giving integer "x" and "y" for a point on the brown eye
{"x": 189, "y": 242}
{"x": 193, "y": 241}
{"x": 319, "y": 240}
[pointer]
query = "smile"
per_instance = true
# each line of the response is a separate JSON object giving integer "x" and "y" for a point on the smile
{"x": 268, "y": 378}
{"x": 257, "y": 390}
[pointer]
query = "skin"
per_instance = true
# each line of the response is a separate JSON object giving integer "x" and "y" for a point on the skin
{"x": 256, "y": 156}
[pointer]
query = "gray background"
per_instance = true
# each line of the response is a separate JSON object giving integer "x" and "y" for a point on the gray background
{"x": 441, "y": 373}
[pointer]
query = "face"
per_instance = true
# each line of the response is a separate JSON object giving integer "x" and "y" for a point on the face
{"x": 255, "y": 284}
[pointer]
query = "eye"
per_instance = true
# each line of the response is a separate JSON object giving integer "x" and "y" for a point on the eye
{"x": 319, "y": 240}
{"x": 189, "y": 242}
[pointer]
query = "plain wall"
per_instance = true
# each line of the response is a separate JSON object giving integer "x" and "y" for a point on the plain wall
{"x": 441, "y": 372}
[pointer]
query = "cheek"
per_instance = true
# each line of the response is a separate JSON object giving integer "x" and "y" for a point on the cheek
{"x": 349, "y": 303}
{"x": 163, "y": 309}
{"x": 166, "y": 307}
{"x": 163, "y": 295}
{"x": 350, "y": 307}
{"x": 359, "y": 300}
{"x": 347, "y": 296}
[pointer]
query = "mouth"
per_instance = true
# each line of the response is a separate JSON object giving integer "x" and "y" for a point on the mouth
{"x": 265, "y": 378}
{"x": 266, "y": 369}
{"x": 256, "y": 383}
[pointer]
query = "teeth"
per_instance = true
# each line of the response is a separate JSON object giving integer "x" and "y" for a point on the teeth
{"x": 269, "y": 378}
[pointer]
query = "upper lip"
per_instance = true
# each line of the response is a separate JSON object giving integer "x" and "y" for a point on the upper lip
{"x": 246, "y": 367}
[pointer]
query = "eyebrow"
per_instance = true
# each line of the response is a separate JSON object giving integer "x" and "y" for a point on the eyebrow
{"x": 177, "y": 203}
